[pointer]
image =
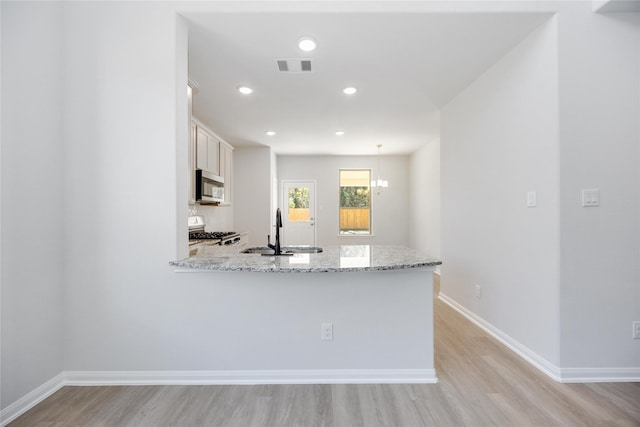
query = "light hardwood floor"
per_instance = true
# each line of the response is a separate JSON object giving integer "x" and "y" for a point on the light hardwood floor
{"x": 481, "y": 384}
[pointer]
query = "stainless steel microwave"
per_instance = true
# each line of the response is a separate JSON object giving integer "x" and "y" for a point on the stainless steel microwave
{"x": 209, "y": 188}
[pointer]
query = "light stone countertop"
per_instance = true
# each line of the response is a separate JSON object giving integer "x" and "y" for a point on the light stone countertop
{"x": 344, "y": 258}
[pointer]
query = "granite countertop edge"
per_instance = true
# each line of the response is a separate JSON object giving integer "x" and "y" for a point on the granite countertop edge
{"x": 213, "y": 267}
{"x": 381, "y": 258}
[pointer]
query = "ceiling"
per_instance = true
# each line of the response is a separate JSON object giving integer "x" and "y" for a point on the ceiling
{"x": 406, "y": 66}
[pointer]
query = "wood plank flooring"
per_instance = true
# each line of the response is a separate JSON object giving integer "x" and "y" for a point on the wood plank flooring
{"x": 481, "y": 384}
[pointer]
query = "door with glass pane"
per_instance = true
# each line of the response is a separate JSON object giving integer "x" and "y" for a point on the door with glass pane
{"x": 298, "y": 213}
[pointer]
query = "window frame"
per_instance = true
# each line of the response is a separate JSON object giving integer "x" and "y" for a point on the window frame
{"x": 369, "y": 232}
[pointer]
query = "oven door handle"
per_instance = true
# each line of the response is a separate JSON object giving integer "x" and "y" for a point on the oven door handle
{"x": 231, "y": 242}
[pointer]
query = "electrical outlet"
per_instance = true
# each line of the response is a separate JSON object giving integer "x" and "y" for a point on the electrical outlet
{"x": 636, "y": 330}
{"x": 591, "y": 197}
{"x": 326, "y": 331}
{"x": 478, "y": 292}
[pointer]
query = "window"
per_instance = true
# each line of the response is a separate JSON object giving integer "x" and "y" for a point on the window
{"x": 355, "y": 202}
{"x": 299, "y": 204}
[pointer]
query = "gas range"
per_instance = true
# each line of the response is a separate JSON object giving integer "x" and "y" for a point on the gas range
{"x": 206, "y": 235}
{"x": 224, "y": 238}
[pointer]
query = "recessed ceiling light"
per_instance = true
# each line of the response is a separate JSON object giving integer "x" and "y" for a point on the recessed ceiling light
{"x": 349, "y": 90}
{"x": 307, "y": 44}
{"x": 270, "y": 132}
{"x": 245, "y": 90}
{"x": 339, "y": 133}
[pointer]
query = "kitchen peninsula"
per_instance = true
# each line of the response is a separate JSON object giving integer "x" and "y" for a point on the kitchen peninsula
{"x": 333, "y": 259}
{"x": 350, "y": 314}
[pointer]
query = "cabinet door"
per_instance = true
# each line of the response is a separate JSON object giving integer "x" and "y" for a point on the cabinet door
{"x": 207, "y": 152}
{"x": 213, "y": 158}
{"x": 223, "y": 167}
{"x": 226, "y": 170}
{"x": 192, "y": 164}
{"x": 202, "y": 140}
{"x": 192, "y": 147}
{"x": 229, "y": 177}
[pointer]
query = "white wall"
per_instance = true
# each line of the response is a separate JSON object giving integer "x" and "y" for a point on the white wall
{"x": 389, "y": 210}
{"x": 32, "y": 197}
{"x": 599, "y": 148}
{"x": 424, "y": 199}
{"x": 252, "y": 201}
{"x": 274, "y": 191}
{"x": 183, "y": 121}
{"x": 574, "y": 270}
{"x": 102, "y": 257}
{"x": 1, "y": 223}
{"x": 121, "y": 126}
{"x": 216, "y": 218}
{"x": 607, "y": 6}
{"x": 499, "y": 141}
{"x": 126, "y": 309}
{"x": 117, "y": 114}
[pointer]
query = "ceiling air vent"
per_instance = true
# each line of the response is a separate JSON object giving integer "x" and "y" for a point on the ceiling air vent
{"x": 282, "y": 65}
{"x": 294, "y": 65}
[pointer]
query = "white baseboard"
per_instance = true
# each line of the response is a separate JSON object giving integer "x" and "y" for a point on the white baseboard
{"x": 31, "y": 399}
{"x": 355, "y": 376}
{"x": 600, "y": 375}
{"x": 109, "y": 378}
{"x": 539, "y": 362}
{"x": 563, "y": 375}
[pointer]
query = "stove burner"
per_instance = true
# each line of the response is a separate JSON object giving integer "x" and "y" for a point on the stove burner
{"x": 210, "y": 234}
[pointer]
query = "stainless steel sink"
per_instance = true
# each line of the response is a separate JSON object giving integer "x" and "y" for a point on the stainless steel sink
{"x": 286, "y": 249}
{"x": 302, "y": 249}
{"x": 257, "y": 250}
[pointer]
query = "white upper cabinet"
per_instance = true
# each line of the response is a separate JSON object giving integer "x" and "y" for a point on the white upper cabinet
{"x": 192, "y": 163}
{"x": 207, "y": 151}
{"x": 226, "y": 170}
{"x": 211, "y": 154}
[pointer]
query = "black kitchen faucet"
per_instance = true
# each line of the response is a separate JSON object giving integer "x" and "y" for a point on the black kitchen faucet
{"x": 277, "y": 249}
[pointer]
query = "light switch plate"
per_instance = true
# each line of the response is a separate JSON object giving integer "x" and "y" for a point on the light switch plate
{"x": 532, "y": 201}
{"x": 590, "y": 197}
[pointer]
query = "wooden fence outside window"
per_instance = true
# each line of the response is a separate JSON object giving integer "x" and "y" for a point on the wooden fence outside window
{"x": 355, "y": 219}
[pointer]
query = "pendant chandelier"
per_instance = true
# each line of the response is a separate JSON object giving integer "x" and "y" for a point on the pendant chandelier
{"x": 379, "y": 183}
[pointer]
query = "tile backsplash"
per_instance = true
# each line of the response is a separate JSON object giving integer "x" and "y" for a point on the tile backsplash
{"x": 216, "y": 218}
